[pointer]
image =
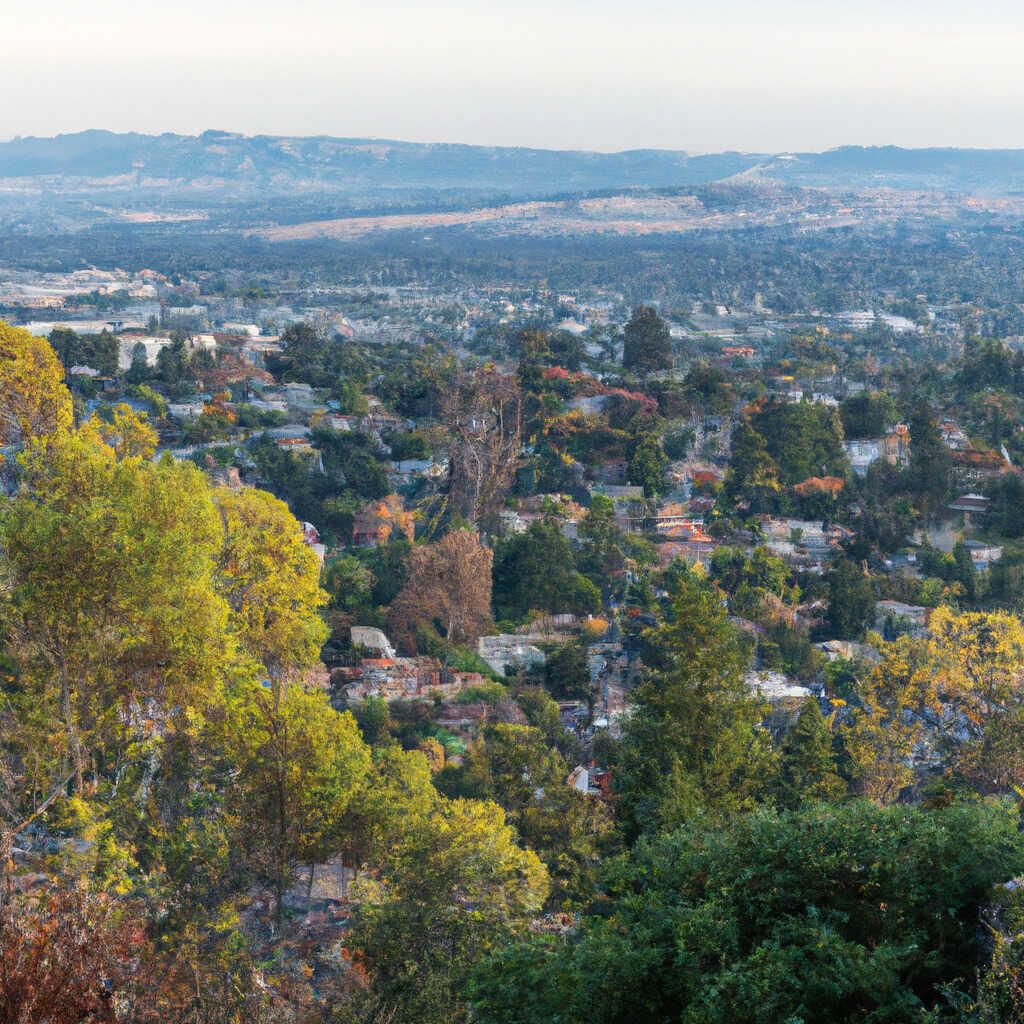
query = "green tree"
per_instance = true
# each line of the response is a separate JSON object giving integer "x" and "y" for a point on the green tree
{"x": 930, "y": 462}
{"x": 299, "y": 764}
{"x": 647, "y": 464}
{"x": 693, "y": 738}
{"x": 804, "y": 439}
{"x": 851, "y": 600}
{"x": 965, "y": 573}
{"x": 647, "y": 344}
{"x": 536, "y": 570}
{"x": 775, "y": 917}
{"x": 566, "y": 673}
{"x": 454, "y": 886}
{"x": 807, "y": 762}
{"x": 753, "y": 477}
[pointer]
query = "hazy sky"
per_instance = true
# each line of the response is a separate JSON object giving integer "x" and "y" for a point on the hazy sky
{"x": 702, "y": 76}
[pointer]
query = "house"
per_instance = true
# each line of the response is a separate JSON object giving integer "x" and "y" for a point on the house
{"x": 897, "y": 445}
{"x": 893, "y": 618}
{"x": 299, "y": 395}
{"x": 372, "y": 639}
{"x": 970, "y": 504}
{"x": 293, "y": 437}
{"x": 405, "y": 471}
{"x": 850, "y": 650}
{"x": 952, "y": 436}
{"x": 862, "y": 453}
{"x": 773, "y": 686}
{"x": 203, "y": 343}
{"x": 377, "y": 522}
{"x": 627, "y": 501}
{"x": 589, "y": 781}
{"x": 185, "y": 410}
{"x": 130, "y": 347}
{"x": 403, "y": 679}
{"x": 256, "y": 352}
{"x": 592, "y": 405}
{"x": 507, "y": 652}
{"x": 802, "y": 540}
{"x": 974, "y": 465}
{"x": 982, "y": 554}
{"x": 692, "y": 551}
{"x": 311, "y": 538}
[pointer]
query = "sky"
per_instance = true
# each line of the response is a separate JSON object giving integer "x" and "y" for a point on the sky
{"x": 695, "y": 75}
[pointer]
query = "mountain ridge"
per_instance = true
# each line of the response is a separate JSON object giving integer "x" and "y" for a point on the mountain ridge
{"x": 281, "y": 163}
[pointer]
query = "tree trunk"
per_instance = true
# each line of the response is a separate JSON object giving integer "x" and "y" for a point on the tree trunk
{"x": 74, "y": 741}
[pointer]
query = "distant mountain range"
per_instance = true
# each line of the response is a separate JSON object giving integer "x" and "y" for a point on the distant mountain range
{"x": 223, "y": 161}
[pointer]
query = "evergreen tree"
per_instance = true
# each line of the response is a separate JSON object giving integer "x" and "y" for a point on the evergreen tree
{"x": 647, "y": 462}
{"x": 930, "y": 461}
{"x": 851, "y": 600}
{"x": 647, "y": 342}
{"x": 965, "y": 573}
{"x": 807, "y": 763}
{"x": 694, "y": 737}
{"x": 753, "y": 476}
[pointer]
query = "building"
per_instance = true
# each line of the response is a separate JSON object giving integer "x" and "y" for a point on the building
{"x": 894, "y": 618}
{"x": 131, "y": 347}
{"x": 507, "y": 652}
{"x": 970, "y": 504}
{"x": 982, "y": 554}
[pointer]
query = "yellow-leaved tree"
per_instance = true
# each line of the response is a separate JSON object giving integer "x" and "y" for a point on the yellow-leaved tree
{"x": 271, "y": 580}
{"x": 951, "y": 701}
{"x": 111, "y": 607}
{"x": 33, "y": 399}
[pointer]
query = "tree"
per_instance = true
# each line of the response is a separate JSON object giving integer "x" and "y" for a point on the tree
{"x": 647, "y": 463}
{"x": 448, "y": 586}
{"x": 965, "y": 573}
{"x": 64, "y": 957}
{"x": 97, "y": 625}
{"x": 797, "y": 916}
{"x": 483, "y": 415}
{"x": 33, "y": 399}
{"x": 536, "y": 570}
{"x": 851, "y": 599}
{"x": 883, "y": 735}
{"x": 647, "y": 344}
{"x": 930, "y": 462}
{"x": 454, "y": 886}
{"x": 804, "y": 439}
{"x": 867, "y": 415}
{"x": 515, "y": 766}
{"x": 271, "y": 581}
{"x": 568, "y": 350}
{"x": 566, "y": 673}
{"x": 126, "y": 431}
{"x": 753, "y": 477}
{"x": 954, "y": 694}
{"x": 299, "y": 764}
{"x": 604, "y": 549}
{"x": 807, "y": 763}
{"x": 975, "y": 661}
{"x": 693, "y": 738}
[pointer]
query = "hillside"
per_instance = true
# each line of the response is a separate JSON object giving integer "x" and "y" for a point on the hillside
{"x": 217, "y": 160}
